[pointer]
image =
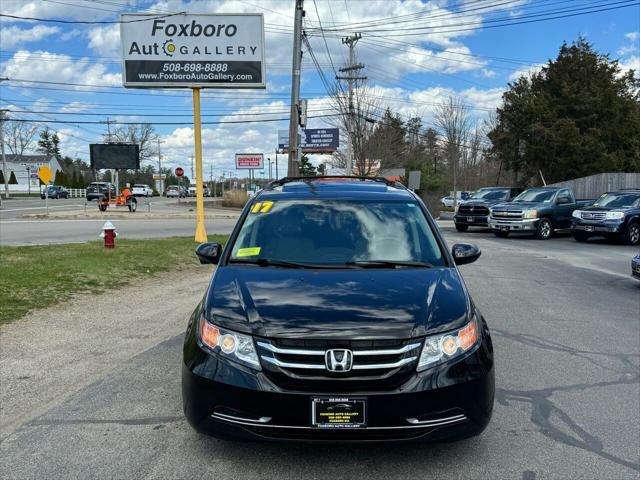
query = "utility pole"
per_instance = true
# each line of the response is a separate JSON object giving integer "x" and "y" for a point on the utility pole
{"x": 276, "y": 164}
{"x": 192, "y": 174}
{"x": 295, "y": 91}
{"x": 351, "y": 77}
{"x": 160, "y": 165}
{"x": 4, "y": 158}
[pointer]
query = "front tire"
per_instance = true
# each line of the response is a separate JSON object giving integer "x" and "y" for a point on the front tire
{"x": 633, "y": 234}
{"x": 133, "y": 204}
{"x": 461, "y": 228}
{"x": 545, "y": 229}
{"x": 103, "y": 208}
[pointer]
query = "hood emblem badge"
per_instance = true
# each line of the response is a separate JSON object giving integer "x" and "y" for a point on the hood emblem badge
{"x": 338, "y": 360}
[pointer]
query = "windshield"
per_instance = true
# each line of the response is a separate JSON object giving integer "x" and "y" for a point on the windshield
{"x": 490, "y": 195}
{"x": 140, "y": 186}
{"x": 617, "y": 200}
{"x": 336, "y": 232}
{"x": 535, "y": 195}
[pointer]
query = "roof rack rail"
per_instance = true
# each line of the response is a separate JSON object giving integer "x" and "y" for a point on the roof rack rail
{"x": 282, "y": 181}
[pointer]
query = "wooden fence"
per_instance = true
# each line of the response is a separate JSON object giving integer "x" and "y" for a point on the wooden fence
{"x": 595, "y": 185}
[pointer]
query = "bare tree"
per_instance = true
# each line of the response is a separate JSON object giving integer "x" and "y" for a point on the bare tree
{"x": 19, "y": 137}
{"x": 142, "y": 134}
{"x": 452, "y": 118}
{"x": 356, "y": 123}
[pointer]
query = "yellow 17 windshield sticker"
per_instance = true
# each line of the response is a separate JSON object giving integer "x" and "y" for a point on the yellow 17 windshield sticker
{"x": 262, "y": 207}
{"x": 248, "y": 252}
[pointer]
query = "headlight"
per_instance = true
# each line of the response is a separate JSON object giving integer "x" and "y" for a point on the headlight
{"x": 614, "y": 215}
{"x": 441, "y": 348}
{"x": 455, "y": 210}
{"x": 234, "y": 346}
{"x": 576, "y": 214}
{"x": 530, "y": 214}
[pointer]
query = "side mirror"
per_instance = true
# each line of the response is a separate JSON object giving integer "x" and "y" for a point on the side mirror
{"x": 209, "y": 252}
{"x": 464, "y": 253}
{"x": 563, "y": 200}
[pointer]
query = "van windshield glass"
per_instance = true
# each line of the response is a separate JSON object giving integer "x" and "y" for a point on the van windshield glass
{"x": 336, "y": 232}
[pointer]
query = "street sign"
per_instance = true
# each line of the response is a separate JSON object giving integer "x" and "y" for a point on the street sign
{"x": 179, "y": 172}
{"x": 249, "y": 161}
{"x": 414, "y": 180}
{"x": 186, "y": 50}
{"x": 314, "y": 140}
{"x": 45, "y": 174}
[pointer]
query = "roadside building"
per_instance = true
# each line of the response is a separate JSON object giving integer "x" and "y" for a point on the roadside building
{"x": 25, "y": 168}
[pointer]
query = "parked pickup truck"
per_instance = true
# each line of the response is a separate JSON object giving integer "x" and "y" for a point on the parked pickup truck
{"x": 540, "y": 211}
{"x": 612, "y": 215}
{"x": 474, "y": 212}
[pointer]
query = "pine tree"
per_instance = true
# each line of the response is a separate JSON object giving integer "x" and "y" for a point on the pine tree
{"x": 12, "y": 179}
{"x": 306, "y": 168}
{"x": 1, "y": 177}
{"x": 579, "y": 116}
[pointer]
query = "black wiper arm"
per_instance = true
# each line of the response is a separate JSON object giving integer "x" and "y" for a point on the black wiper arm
{"x": 388, "y": 263}
{"x": 266, "y": 262}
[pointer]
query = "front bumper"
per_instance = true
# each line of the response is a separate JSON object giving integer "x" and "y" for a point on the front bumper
{"x": 528, "y": 224}
{"x": 471, "y": 220}
{"x": 450, "y": 401}
{"x": 604, "y": 226}
{"x": 635, "y": 269}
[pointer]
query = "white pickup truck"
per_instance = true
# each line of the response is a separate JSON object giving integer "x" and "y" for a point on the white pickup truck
{"x": 141, "y": 190}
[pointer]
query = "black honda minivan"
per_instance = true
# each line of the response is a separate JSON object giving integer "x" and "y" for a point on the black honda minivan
{"x": 337, "y": 313}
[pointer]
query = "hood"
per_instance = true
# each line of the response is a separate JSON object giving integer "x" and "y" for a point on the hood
{"x": 603, "y": 209}
{"x": 518, "y": 205}
{"x": 351, "y": 303}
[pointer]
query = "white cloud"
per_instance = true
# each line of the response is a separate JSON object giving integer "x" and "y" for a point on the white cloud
{"x": 526, "y": 71}
{"x": 631, "y": 45}
{"x": 105, "y": 40}
{"x": 45, "y": 66}
{"x": 631, "y": 63}
{"x": 12, "y": 36}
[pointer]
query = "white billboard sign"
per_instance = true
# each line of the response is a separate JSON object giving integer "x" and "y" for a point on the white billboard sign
{"x": 205, "y": 51}
{"x": 249, "y": 161}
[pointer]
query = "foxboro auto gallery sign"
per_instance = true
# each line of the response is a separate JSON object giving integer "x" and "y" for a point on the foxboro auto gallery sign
{"x": 193, "y": 50}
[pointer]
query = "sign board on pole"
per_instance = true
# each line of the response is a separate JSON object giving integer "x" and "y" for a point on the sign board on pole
{"x": 249, "y": 161}
{"x": 414, "y": 180}
{"x": 45, "y": 174}
{"x": 186, "y": 50}
{"x": 314, "y": 140}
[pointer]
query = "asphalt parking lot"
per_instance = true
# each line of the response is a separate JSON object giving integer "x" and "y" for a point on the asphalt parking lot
{"x": 565, "y": 320}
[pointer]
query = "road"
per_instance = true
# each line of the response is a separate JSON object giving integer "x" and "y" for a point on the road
{"x": 19, "y": 227}
{"x": 565, "y": 321}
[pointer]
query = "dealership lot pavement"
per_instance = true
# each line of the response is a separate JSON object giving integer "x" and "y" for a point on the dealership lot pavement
{"x": 565, "y": 319}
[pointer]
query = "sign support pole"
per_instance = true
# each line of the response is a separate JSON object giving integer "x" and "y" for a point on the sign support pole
{"x": 201, "y": 233}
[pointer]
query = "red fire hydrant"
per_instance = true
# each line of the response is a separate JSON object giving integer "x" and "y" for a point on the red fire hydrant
{"x": 109, "y": 235}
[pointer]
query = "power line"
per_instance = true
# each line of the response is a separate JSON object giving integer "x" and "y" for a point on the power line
{"x": 86, "y": 122}
{"x": 89, "y": 22}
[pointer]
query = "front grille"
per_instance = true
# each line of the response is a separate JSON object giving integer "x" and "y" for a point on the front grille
{"x": 377, "y": 364}
{"x": 593, "y": 215}
{"x": 506, "y": 214}
{"x": 473, "y": 210}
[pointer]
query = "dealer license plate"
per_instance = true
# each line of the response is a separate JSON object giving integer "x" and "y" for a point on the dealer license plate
{"x": 503, "y": 227}
{"x": 588, "y": 228}
{"x": 470, "y": 219}
{"x": 338, "y": 412}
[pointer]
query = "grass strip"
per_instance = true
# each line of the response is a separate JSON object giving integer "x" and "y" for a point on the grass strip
{"x": 33, "y": 277}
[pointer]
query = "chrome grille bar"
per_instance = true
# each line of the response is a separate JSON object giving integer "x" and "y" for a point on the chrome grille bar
{"x": 397, "y": 351}
{"x": 289, "y": 351}
{"x": 378, "y": 366}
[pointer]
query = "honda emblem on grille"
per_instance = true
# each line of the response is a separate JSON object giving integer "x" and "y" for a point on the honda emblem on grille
{"x": 338, "y": 360}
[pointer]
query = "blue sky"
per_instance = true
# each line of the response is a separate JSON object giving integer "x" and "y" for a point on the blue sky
{"x": 408, "y": 69}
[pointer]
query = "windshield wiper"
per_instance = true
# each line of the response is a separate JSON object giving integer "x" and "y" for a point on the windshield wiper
{"x": 388, "y": 263}
{"x": 267, "y": 262}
